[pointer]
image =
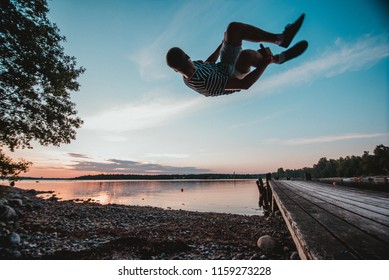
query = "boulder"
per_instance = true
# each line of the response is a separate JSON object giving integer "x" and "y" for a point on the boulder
{"x": 7, "y": 213}
{"x": 267, "y": 244}
{"x": 14, "y": 239}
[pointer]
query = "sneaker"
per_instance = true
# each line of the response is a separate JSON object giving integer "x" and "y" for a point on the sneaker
{"x": 291, "y": 30}
{"x": 291, "y": 53}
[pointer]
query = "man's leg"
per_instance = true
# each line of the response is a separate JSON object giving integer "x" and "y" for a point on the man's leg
{"x": 237, "y": 32}
{"x": 248, "y": 59}
{"x": 251, "y": 58}
{"x": 260, "y": 60}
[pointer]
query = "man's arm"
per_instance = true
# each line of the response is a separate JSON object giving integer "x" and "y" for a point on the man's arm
{"x": 249, "y": 80}
{"x": 215, "y": 55}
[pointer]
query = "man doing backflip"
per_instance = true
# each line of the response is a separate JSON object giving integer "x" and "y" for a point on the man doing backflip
{"x": 233, "y": 72}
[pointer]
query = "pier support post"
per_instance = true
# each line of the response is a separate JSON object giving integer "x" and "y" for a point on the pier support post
{"x": 265, "y": 194}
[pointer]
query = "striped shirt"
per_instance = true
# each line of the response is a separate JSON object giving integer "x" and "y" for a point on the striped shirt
{"x": 209, "y": 79}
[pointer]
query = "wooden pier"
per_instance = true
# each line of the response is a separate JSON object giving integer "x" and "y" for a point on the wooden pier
{"x": 334, "y": 222}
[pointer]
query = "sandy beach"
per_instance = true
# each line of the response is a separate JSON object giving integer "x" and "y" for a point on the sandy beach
{"x": 36, "y": 228}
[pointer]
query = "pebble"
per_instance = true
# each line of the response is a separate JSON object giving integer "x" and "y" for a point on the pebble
{"x": 16, "y": 202}
{"x": 48, "y": 228}
{"x": 7, "y": 213}
{"x": 3, "y": 201}
{"x": 16, "y": 254}
{"x": 295, "y": 256}
{"x": 16, "y": 196}
{"x": 14, "y": 239}
{"x": 267, "y": 243}
{"x": 255, "y": 257}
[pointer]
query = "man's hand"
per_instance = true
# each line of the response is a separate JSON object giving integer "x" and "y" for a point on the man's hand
{"x": 266, "y": 53}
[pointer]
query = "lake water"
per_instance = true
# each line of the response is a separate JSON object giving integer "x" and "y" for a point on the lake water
{"x": 220, "y": 196}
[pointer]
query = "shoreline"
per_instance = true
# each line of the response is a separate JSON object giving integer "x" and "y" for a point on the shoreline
{"x": 40, "y": 228}
{"x": 221, "y": 196}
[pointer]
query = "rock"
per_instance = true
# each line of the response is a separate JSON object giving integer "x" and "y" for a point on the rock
{"x": 16, "y": 196}
{"x": 33, "y": 192}
{"x": 14, "y": 239}
{"x": 295, "y": 256}
{"x": 16, "y": 202}
{"x": 16, "y": 254}
{"x": 7, "y": 213}
{"x": 64, "y": 229}
{"x": 8, "y": 253}
{"x": 267, "y": 243}
{"x": 255, "y": 257}
{"x": 3, "y": 201}
{"x": 38, "y": 205}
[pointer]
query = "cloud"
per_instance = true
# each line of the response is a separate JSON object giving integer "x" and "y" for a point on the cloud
{"x": 340, "y": 58}
{"x": 139, "y": 115}
{"x": 75, "y": 155}
{"x": 330, "y": 138}
{"x": 133, "y": 167}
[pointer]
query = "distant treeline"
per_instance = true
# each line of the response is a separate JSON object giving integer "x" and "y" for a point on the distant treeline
{"x": 350, "y": 166}
{"x": 167, "y": 177}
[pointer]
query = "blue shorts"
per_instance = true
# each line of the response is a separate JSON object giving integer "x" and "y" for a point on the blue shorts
{"x": 228, "y": 56}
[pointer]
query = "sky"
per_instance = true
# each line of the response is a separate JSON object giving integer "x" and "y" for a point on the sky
{"x": 140, "y": 118}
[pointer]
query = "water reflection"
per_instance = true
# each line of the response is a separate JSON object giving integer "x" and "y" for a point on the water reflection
{"x": 223, "y": 196}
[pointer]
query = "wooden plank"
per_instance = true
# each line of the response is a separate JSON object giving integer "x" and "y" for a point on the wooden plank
{"x": 370, "y": 226}
{"x": 300, "y": 226}
{"x": 373, "y": 213}
{"x": 348, "y": 193}
{"x": 349, "y": 200}
{"x": 322, "y": 230}
{"x": 372, "y": 242}
{"x": 380, "y": 200}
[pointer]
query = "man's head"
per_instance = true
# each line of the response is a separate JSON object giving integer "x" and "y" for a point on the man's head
{"x": 177, "y": 59}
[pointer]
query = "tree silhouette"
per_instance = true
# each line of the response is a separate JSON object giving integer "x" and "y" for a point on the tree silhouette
{"x": 350, "y": 166}
{"x": 36, "y": 78}
{"x": 11, "y": 169}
